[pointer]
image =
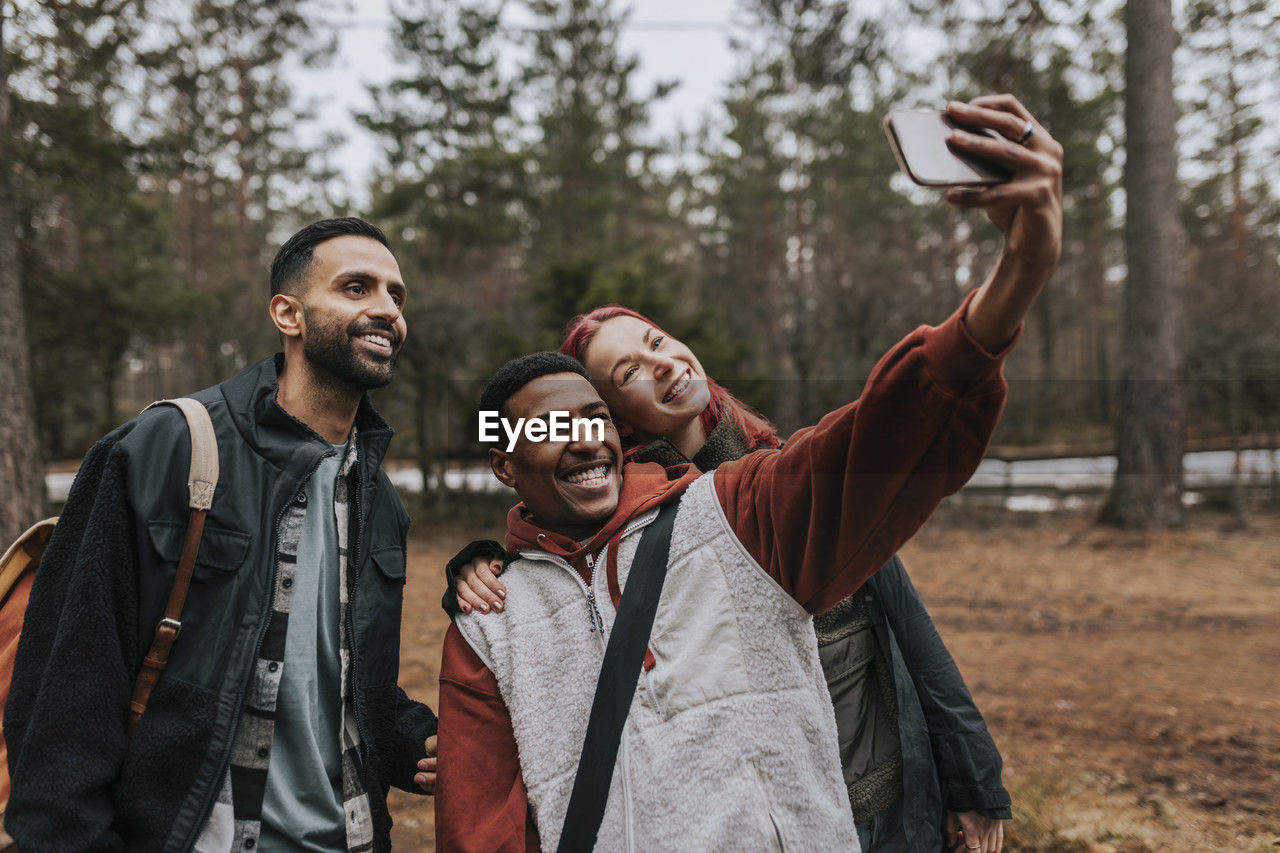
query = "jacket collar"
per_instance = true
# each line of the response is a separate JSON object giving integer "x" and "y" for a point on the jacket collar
{"x": 724, "y": 444}
{"x": 281, "y": 438}
{"x": 644, "y": 487}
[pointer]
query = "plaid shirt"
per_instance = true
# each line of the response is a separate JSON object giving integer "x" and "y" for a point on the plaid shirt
{"x": 236, "y": 820}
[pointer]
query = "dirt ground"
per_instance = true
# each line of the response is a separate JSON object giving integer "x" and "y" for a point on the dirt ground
{"x": 1131, "y": 680}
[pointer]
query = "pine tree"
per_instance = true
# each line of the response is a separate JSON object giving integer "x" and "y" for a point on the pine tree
{"x": 219, "y": 125}
{"x": 454, "y": 195}
{"x": 87, "y": 256}
{"x": 1233, "y": 290}
{"x": 21, "y": 470}
{"x": 601, "y": 225}
{"x": 1061, "y": 61}
{"x": 810, "y": 245}
{"x": 1148, "y": 484}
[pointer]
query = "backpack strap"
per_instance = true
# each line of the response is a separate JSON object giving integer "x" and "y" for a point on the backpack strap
{"x": 201, "y": 482}
{"x": 617, "y": 684}
{"x": 23, "y": 554}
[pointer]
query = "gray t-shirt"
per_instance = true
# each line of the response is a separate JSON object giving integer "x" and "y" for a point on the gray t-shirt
{"x": 300, "y": 811}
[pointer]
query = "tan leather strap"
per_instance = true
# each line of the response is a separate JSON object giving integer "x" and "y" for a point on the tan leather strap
{"x": 201, "y": 482}
{"x": 203, "y": 475}
{"x": 23, "y": 554}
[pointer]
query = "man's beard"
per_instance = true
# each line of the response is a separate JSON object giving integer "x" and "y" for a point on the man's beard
{"x": 331, "y": 349}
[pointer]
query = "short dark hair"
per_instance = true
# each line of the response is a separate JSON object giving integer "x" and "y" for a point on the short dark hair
{"x": 295, "y": 255}
{"x": 519, "y": 372}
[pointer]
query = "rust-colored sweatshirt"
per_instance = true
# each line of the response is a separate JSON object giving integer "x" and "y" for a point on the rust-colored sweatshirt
{"x": 821, "y": 515}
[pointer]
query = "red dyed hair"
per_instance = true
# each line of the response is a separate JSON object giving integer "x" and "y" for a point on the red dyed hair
{"x": 757, "y": 429}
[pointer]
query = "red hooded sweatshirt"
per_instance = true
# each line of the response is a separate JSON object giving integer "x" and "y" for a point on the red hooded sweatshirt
{"x": 820, "y": 515}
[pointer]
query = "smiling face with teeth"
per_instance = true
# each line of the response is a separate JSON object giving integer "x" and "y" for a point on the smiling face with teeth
{"x": 570, "y": 487}
{"x": 352, "y": 312}
{"x": 653, "y": 383}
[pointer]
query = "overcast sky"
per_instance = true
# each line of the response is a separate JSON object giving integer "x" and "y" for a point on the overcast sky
{"x": 674, "y": 40}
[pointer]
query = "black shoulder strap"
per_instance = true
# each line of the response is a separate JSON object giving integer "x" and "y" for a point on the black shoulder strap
{"x": 617, "y": 685}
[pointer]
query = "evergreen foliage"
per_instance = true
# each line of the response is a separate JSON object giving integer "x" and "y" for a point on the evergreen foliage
{"x": 157, "y": 158}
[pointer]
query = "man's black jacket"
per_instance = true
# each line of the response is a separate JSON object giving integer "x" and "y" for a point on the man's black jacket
{"x": 78, "y": 782}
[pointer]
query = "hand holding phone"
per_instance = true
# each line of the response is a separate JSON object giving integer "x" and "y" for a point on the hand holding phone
{"x": 919, "y": 142}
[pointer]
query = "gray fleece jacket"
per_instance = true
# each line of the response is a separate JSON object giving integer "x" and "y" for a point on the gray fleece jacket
{"x": 731, "y": 741}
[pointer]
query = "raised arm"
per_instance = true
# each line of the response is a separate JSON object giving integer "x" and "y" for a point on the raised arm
{"x": 825, "y": 512}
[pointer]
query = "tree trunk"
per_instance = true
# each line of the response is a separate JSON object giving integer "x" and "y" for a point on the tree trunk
{"x": 21, "y": 470}
{"x": 1148, "y": 484}
{"x": 1239, "y": 284}
{"x": 1235, "y": 422}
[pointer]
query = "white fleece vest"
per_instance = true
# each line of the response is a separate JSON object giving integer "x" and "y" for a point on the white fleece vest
{"x": 731, "y": 741}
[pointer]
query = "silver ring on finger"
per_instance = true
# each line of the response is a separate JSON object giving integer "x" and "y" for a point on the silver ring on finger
{"x": 1028, "y": 130}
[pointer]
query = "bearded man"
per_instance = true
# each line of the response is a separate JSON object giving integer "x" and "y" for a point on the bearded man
{"x": 278, "y": 723}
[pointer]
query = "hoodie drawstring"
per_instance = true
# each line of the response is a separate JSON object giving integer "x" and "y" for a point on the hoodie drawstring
{"x": 615, "y": 591}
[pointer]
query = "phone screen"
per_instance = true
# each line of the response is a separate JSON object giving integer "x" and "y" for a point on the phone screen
{"x": 919, "y": 140}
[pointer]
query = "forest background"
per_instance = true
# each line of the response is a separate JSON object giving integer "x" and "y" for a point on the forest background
{"x": 154, "y": 158}
{"x": 158, "y": 163}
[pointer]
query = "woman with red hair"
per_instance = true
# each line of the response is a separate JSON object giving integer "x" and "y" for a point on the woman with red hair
{"x": 918, "y": 761}
{"x": 643, "y": 422}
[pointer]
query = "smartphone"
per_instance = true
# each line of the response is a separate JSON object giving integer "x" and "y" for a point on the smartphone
{"x": 919, "y": 142}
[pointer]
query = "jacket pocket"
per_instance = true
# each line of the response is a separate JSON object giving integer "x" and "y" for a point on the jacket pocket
{"x": 163, "y": 763}
{"x": 695, "y": 639}
{"x": 770, "y": 829}
{"x": 221, "y": 549}
{"x": 867, "y": 737}
{"x": 390, "y": 561}
{"x": 218, "y": 586}
{"x": 377, "y": 616}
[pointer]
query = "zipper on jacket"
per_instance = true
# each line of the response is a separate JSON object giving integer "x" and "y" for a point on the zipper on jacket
{"x": 593, "y": 611}
{"x": 597, "y": 622}
{"x": 253, "y": 661}
{"x": 594, "y": 617}
{"x": 354, "y": 584}
{"x": 559, "y": 561}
